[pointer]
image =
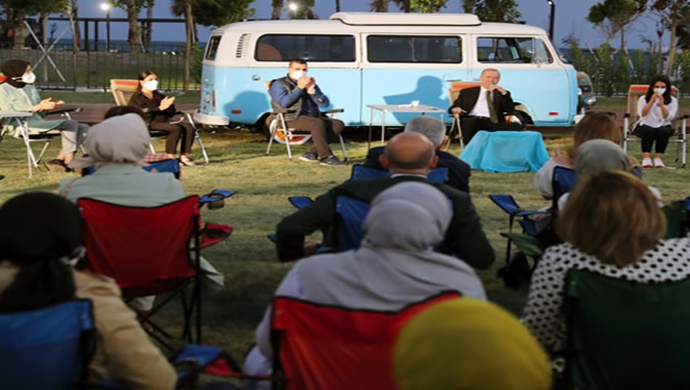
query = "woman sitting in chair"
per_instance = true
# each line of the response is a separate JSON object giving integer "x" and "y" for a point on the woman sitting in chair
{"x": 603, "y": 236}
{"x": 17, "y": 93}
{"x": 656, "y": 109}
{"x": 37, "y": 276}
{"x": 160, "y": 110}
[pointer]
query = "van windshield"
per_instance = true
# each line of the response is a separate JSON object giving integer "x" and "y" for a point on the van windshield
{"x": 422, "y": 49}
{"x": 312, "y": 48}
{"x": 521, "y": 50}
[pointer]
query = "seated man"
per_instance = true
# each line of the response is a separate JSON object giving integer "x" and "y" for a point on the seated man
{"x": 458, "y": 171}
{"x": 394, "y": 267}
{"x": 484, "y": 107}
{"x": 409, "y": 157}
{"x": 299, "y": 98}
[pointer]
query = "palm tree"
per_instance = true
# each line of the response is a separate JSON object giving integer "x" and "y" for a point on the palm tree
{"x": 184, "y": 7}
{"x": 277, "y": 9}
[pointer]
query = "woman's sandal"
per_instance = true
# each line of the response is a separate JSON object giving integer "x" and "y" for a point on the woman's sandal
{"x": 184, "y": 160}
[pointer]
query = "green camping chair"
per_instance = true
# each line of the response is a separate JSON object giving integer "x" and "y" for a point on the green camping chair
{"x": 627, "y": 335}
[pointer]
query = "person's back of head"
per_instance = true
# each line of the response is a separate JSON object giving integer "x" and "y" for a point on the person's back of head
{"x": 41, "y": 234}
{"x": 598, "y": 125}
{"x": 599, "y": 154}
{"x": 464, "y": 343}
{"x": 409, "y": 153}
{"x": 431, "y": 127}
{"x": 408, "y": 216}
{"x": 612, "y": 216}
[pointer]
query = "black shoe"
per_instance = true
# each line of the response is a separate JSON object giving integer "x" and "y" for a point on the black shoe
{"x": 56, "y": 165}
{"x": 309, "y": 157}
{"x": 2, "y": 177}
{"x": 332, "y": 161}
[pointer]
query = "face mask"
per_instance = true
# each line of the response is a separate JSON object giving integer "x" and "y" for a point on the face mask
{"x": 28, "y": 78}
{"x": 298, "y": 74}
{"x": 151, "y": 85}
{"x": 659, "y": 91}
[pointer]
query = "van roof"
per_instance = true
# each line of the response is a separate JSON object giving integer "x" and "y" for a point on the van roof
{"x": 410, "y": 19}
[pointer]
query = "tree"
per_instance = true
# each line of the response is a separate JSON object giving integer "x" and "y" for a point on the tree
{"x": 221, "y": 12}
{"x": 277, "y": 9}
{"x": 612, "y": 16}
{"x": 497, "y": 11}
{"x": 427, "y": 6}
{"x": 672, "y": 15}
{"x": 379, "y": 5}
{"x": 133, "y": 35}
{"x": 149, "y": 27}
{"x": 16, "y": 11}
{"x": 468, "y": 5}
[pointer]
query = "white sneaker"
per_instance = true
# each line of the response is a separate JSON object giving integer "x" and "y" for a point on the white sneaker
{"x": 647, "y": 162}
{"x": 658, "y": 163}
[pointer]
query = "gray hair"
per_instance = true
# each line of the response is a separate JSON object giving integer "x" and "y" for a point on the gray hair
{"x": 432, "y": 128}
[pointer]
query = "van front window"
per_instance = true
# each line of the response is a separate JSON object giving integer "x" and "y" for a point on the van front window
{"x": 507, "y": 50}
{"x": 312, "y": 48}
{"x": 422, "y": 49}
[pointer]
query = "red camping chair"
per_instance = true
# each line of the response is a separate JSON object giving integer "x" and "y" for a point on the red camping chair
{"x": 329, "y": 347}
{"x": 147, "y": 251}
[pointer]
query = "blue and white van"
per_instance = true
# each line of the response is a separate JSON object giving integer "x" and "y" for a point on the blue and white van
{"x": 362, "y": 58}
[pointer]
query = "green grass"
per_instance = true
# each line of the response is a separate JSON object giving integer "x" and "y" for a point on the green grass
{"x": 262, "y": 185}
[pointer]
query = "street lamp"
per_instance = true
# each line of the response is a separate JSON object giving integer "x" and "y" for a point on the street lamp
{"x": 292, "y": 7}
{"x": 551, "y": 18}
{"x": 106, "y": 7}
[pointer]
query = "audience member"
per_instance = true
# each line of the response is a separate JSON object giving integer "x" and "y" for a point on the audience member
{"x": 656, "y": 109}
{"x": 458, "y": 171}
{"x": 484, "y": 107}
{"x": 159, "y": 110}
{"x": 612, "y": 226}
{"x": 464, "y": 343}
{"x": 408, "y": 156}
{"x": 17, "y": 93}
{"x": 117, "y": 148}
{"x": 598, "y": 125}
{"x": 395, "y": 266}
{"x": 300, "y": 99}
{"x": 35, "y": 276}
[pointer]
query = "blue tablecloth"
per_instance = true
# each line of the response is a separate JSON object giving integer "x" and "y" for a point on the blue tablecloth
{"x": 506, "y": 151}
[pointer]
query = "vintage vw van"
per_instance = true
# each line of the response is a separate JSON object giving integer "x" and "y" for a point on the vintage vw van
{"x": 361, "y": 58}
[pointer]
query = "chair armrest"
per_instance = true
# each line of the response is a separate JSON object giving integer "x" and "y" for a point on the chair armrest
{"x": 627, "y": 115}
{"x": 65, "y": 110}
{"x": 334, "y": 111}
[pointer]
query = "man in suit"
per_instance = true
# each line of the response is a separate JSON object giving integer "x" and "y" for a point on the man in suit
{"x": 299, "y": 98}
{"x": 484, "y": 107}
{"x": 458, "y": 171}
{"x": 409, "y": 157}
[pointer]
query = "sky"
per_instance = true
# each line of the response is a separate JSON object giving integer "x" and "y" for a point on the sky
{"x": 570, "y": 19}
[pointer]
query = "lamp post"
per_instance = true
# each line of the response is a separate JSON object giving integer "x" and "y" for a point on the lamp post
{"x": 552, "y": 15}
{"x": 106, "y": 7}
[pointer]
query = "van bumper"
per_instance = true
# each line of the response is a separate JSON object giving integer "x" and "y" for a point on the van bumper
{"x": 211, "y": 120}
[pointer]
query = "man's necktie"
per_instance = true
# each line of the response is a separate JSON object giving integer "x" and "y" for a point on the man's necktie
{"x": 492, "y": 110}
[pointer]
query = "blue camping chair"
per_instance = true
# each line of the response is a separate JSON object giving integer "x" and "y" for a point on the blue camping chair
{"x": 362, "y": 172}
{"x": 562, "y": 181}
{"x": 48, "y": 348}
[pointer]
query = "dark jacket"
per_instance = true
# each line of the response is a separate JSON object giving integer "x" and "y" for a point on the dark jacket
{"x": 467, "y": 99}
{"x": 458, "y": 171}
{"x": 150, "y": 107}
{"x": 464, "y": 237}
{"x": 287, "y": 98}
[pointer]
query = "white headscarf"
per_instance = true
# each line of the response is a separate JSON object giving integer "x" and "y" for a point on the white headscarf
{"x": 121, "y": 139}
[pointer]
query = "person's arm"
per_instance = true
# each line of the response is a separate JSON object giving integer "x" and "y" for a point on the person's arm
{"x": 543, "y": 312}
{"x": 644, "y": 106}
{"x": 319, "y": 98}
{"x": 292, "y": 230}
{"x": 466, "y": 236}
{"x": 672, "y": 109}
{"x": 282, "y": 96}
{"x": 455, "y": 109}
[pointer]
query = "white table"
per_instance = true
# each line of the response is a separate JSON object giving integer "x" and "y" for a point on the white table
{"x": 382, "y": 109}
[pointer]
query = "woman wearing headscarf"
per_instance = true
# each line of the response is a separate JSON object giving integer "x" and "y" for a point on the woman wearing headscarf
{"x": 17, "y": 93}
{"x": 36, "y": 276}
{"x": 395, "y": 266}
{"x": 117, "y": 148}
{"x": 465, "y": 343}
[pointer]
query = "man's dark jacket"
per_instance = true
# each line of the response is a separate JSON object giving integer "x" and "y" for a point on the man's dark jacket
{"x": 467, "y": 99}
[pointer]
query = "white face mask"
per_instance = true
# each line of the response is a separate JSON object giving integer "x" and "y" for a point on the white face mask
{"x": 298, "y": 74}
{"x": 27, "y": 78}
{"x": 659, "y": 91}
{"x": 151, "y": 85}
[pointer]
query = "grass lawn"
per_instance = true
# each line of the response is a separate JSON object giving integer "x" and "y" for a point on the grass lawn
{"x": 262, "y": 185}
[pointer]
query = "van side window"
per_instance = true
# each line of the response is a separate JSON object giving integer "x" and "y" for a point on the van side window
{"x": 212, "y": 48}
{"x": 506, "y": 50}
{"x": 312, "y": 48}
{"x": 422, "y": 49}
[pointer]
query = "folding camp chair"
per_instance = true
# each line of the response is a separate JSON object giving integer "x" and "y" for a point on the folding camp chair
{"x": 455, "y": 128}
{"x": 626, "y": 335}
{"x": 147, "y": 251}
{"x": 330, "y": 347}
{"x": 123, "y": 89}
{"x": 562, "y": 181}
{"x": 48, "y": 348}
{"x": 631, "y": 120}
{"x": 362, "y": 172}
{"x": 281, "y": 133}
